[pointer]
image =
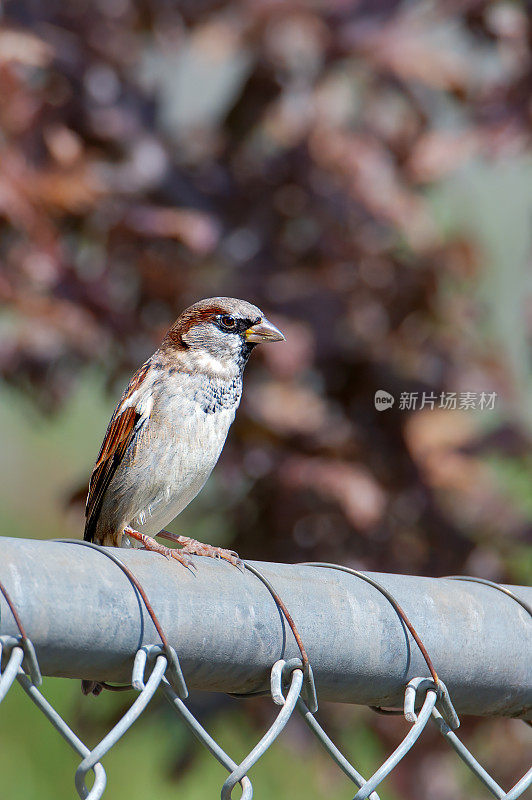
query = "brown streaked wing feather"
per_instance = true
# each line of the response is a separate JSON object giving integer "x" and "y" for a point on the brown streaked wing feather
{"x": 116, "y": 441}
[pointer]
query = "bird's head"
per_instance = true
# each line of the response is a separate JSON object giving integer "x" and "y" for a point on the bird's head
{"x": 218, "y": 334}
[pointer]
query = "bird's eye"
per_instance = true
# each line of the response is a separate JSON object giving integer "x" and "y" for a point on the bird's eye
{"x": 228, "y": 322}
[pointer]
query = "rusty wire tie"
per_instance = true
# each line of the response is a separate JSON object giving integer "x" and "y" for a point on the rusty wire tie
{"x": 175, "y": 671}
{"x": 444, "y": 699}
{"x": 309, "y": 686}
{"x": 30, "y": 657}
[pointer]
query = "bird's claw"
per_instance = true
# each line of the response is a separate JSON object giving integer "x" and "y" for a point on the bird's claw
{"x": 175, "y": 552}
{"x": 233, "y": 559}
{"x": 199, "y": 549}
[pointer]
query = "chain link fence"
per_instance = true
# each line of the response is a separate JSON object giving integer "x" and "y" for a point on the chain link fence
{"x": 292, "y": 687}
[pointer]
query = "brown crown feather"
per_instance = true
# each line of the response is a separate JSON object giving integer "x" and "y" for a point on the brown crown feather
{"x": 203, "y": 311}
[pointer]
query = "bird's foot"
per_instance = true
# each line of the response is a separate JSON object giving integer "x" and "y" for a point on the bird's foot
{"x": 151, "y": 544}
{"x": 199, "y": 549}
{"x": 195, "y": 548}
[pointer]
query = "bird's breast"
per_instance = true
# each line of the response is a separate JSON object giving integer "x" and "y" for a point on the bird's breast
{"x": 180, "y": 447}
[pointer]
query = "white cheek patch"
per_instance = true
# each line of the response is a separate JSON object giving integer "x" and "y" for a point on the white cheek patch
{"x": 213, "y": 352}
{"x": 206, "y": 362}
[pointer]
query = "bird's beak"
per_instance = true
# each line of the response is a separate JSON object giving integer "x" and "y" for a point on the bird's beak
{"x": 263, "y": 331}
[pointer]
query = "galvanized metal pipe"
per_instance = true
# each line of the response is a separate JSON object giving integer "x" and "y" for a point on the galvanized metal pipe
{"x": 86, "y": 620}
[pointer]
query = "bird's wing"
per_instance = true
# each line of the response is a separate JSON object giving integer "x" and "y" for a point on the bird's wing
{"x": 125, "y": 423}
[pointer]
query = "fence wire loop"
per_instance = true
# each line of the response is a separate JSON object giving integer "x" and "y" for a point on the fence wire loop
{"x": 11, "y": 670}
{"x": 29, "y": 662}
{"x": 174, "y": 673}
{"x": 288, "y": 705}
{"x": 280, "y": 676}
{"x": 126, "y": 721}
{"x": 443, "y": 702}
{"x": 403, "y": 748}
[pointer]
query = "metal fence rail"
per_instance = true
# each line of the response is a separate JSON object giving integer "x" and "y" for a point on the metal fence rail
{"x": 80, "y": 616}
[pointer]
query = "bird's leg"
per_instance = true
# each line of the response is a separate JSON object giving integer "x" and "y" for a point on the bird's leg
{"x": 151, "y": 544}
{"x": 195, "y": 548}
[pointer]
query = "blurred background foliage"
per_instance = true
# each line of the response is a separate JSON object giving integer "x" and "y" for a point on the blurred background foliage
{"x": 363, "y": 172}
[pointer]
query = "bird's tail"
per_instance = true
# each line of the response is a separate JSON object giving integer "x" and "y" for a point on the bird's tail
{"x": 91, "y": 687}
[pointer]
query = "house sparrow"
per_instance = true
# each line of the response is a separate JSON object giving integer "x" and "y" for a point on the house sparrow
{"x": 169, "y": 428}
